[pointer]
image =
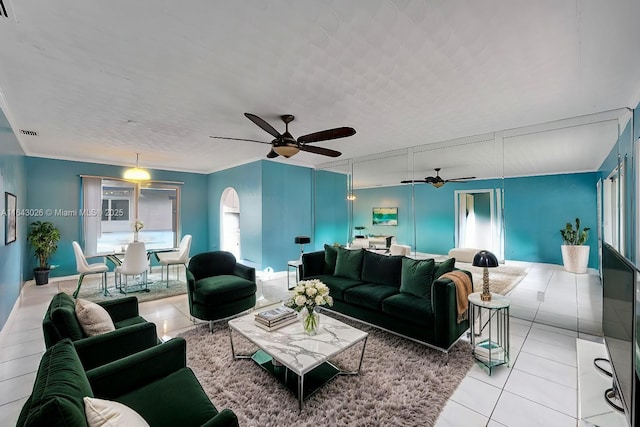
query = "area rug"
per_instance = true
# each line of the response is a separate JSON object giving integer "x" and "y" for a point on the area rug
{"x": 91, "y": 291}
{"x": 401, "y": 383}
{"x": 502, "y": 279}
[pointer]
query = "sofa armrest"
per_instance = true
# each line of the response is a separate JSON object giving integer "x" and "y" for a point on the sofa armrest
{"x": 191, "y": 281}
{"x": 224, "y": 418}
{"x": 445, "y": 311}
{"x": 245, "y": 272}
{"x": 137, "y": 370}
{"x": 104, "y": 348}
{"x": 121, "y": 308}
{"x": 312, "y": 264}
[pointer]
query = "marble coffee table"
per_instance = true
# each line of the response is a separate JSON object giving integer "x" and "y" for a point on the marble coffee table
{"x": 300, "y": 361}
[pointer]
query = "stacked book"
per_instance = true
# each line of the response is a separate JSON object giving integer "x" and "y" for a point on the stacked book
{"x": 489, "y": 349}
{"x": 275, "y": 318}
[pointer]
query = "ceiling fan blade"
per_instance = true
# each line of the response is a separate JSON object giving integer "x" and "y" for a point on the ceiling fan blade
{"x": 325, "y": 135}
{"x": 238, "y": 139}
{"x": 410, "y": 181}
{"x": 263, "y": 125}
{"x": 272, "y": 154}
{"x": 319, "y": 150}
{"x": 461, "y": 179}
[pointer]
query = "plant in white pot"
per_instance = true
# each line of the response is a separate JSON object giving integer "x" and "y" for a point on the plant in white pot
{"x": 575, "y": 254}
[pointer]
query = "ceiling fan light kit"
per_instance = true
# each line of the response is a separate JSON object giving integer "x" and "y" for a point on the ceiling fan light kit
{"x": 437, "y": 180}
{"x": 286, "y": 145}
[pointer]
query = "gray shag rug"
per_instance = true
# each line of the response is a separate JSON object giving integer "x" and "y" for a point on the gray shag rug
{"x": 401, "y": 383}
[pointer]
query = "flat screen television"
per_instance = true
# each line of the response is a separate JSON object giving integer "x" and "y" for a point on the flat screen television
{"x": 385, "y": 216}
{"x": 619, "y": 277}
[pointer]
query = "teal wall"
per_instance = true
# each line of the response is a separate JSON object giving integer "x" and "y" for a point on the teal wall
{"x": 331, "y": 210}
{"x": 55, "y": 184}
{"x": 385, "y": 197}
{"x": 536, "y": 208}
{"x": 12, "y": 256}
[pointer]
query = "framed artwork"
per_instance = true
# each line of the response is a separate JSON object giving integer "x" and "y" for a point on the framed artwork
{"x": 10, "y": 204}
{"x": 385, "y": 216}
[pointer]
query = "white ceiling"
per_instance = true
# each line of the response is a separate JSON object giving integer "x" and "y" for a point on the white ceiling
{"x": 100, "y": 81}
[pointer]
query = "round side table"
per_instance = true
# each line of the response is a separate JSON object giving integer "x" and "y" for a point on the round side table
{"x": 489, "y": 323}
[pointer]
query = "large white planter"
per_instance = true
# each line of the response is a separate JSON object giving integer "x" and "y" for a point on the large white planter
{"x": 575, "y": 258}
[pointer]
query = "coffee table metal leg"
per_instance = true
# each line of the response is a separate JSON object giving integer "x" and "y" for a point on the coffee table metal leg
{"x": 357, "y": 371}
{"x": 233, "y": 351}
{"x": 300, "y": 390}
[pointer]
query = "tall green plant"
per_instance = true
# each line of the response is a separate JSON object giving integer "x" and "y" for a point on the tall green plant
{"x": 43, "y": 237}
{"x": 574, "y": 237}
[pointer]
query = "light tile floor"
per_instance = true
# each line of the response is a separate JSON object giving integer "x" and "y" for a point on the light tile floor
{"x": 549, "y": 310}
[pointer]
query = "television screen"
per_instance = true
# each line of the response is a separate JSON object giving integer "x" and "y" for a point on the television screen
{"x": 385, "y": 216}
{"x": 618, "y": 318}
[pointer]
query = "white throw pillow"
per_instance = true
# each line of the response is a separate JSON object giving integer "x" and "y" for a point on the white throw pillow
{"x": 108, "y": 413}
{"x": 93, "y": 318}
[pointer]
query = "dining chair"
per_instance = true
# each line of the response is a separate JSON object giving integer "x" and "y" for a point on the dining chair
{"x": 84, "y": 268}
{"x": 135, "y": 263}
{"x": 181, "y": 256}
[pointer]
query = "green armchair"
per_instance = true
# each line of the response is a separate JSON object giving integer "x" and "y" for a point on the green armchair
{"x": 133, "y": 333}
{"x": 155, "y": 383}
{"x": 218, "y": 287}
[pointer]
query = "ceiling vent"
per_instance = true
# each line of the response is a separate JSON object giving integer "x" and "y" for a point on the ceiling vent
{"x": 3, "y": 10}
{"x": 28, "y": 132}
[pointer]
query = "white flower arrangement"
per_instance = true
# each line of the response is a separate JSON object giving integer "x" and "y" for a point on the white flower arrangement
{"x": 309, "y": 294}
{"x": 137, "y": 225}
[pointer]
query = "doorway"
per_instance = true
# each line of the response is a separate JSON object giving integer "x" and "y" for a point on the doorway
{"x": 478, "y": 220}
{"x": 230, "y": 223}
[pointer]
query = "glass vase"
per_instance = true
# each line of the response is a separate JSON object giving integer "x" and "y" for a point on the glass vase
{"x": 310, "y": 322}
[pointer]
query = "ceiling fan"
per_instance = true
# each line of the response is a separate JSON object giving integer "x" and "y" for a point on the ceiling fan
{"x": 436, "y": 181}
{"x": 286, "y": 145}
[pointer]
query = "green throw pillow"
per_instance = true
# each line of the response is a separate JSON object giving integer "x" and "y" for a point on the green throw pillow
{"x": 417, "y": 276}
{"x": 330, "y": 256}
{"x": 444, "y": 267}
{"x": 349, "y": 263}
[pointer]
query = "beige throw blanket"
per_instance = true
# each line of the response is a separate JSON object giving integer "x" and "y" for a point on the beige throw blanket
{"x": 464, "y": 287}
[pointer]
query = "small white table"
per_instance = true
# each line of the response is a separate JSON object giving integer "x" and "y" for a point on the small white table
{"x": 290, "y": 349}
{"x": 490, "y": 337}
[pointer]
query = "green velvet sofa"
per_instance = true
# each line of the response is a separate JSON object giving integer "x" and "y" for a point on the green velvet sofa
{"x": 133, "y": 333}
{"x": 155, "y": 383}
{"x": 395, "y": 293}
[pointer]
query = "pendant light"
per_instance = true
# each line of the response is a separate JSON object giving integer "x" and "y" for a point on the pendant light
{"x": 137, "y": 174}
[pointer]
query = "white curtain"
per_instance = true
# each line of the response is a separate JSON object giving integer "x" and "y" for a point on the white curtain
{"x": 92, "y": 218}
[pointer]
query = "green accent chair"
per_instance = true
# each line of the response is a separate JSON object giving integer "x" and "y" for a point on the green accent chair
{"x": 155, "y": 383}
{"x": 218, "y": 287}
{"x": 133, "y": 333}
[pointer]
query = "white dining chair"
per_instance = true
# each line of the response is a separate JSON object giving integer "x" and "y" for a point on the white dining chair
{"x": 178, "y": 257}
{"x": 84, "y": 269}
{"x": 135, "y": 263}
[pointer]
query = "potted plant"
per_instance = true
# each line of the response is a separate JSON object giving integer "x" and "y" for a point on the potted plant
{"x": 575, "y": 254}
{"x": 43, "y": 237}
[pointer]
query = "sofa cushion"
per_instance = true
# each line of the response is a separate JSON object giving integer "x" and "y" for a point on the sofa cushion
{"x": 410, "y": 308}
{"x": 156, "y": 402}
{"x": 330, "y": 257}
{"x": 444, "y": 267}
{"x": 382, "y": 269}
{"x": 369, "y": 295}
{"x": 94, "y": 319}
{"x": 417, "y": 276}
{"x": 102, "y": 412}
{"x": 219, "y": 290}
{"x": 349, "y": 263}
{"x": 337, "y": 285}
{"x": 129, "y": 322}
{"x": 60, "y": 385}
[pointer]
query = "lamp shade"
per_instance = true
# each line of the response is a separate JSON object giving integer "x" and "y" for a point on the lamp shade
{"x": 302, "y": 240}
{"x": 485, "y": 259}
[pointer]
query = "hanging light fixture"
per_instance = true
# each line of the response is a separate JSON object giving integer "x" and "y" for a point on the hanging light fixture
{"x": 137, "y": 174}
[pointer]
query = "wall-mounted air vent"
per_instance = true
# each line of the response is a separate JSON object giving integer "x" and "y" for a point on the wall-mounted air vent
{"x": 28, "y": 132}
{"x": 3, "y": 10}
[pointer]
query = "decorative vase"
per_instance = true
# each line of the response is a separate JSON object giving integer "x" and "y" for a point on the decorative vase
{"x": 310, "y": 322}
{"x": 575, "y": 258}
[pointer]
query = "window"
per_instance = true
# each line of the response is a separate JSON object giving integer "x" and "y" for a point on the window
{"x": 119, "y": 204}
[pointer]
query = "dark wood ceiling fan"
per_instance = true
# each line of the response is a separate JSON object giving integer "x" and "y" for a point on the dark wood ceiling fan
{"x": 286, "y": 145}
{"x": 436, "y": 181}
